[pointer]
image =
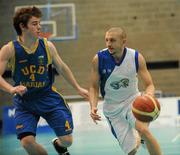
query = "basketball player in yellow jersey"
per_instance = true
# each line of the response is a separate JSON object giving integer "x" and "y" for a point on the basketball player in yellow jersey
{"x": 114, "y": 72}
{"x": 34, "y": 96}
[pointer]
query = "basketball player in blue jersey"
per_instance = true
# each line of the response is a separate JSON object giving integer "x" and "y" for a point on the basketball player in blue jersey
{"x": 114, "y": 72}
{"x": 32, "y": 58}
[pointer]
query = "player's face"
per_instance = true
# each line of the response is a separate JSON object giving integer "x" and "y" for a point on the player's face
{"x": 114, "y": 42}
{"x": 34, "y": 27}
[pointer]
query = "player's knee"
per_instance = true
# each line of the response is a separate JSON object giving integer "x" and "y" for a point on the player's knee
{"x": 27, "y": 142}
{"x": 66, "y": 141}
{"x": 144, "y": 131}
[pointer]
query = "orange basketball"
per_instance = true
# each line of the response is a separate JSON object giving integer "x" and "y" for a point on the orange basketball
{"x": 146, "y": 108}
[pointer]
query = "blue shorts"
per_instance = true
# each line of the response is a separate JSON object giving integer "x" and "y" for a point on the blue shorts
{"x": 51, "y": 106}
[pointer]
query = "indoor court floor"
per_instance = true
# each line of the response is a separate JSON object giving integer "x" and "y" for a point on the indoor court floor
{"x": 95, "y": 139}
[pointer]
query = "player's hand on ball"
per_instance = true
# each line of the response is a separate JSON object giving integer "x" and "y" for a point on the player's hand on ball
{"x": 94, "y": 115}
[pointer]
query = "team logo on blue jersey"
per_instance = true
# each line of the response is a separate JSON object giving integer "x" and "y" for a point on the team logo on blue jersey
{"x": 41, "y": 60}
{"x": 124, "y": 83}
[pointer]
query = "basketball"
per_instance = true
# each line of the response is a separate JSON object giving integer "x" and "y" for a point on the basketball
{"x": 146, "y": 108}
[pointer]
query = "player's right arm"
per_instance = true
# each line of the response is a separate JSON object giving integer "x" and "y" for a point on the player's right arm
{"x": 94, "y": 90}
{"x": 6, "y": 53}
{"x": 65, "y": 71}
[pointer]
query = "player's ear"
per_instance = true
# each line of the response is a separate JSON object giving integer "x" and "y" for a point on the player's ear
{"x": 22, "y": 26}
{"x": 124, "y": 40}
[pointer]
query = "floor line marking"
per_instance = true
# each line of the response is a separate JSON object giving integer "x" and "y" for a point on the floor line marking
{"x": 176, "y": 138}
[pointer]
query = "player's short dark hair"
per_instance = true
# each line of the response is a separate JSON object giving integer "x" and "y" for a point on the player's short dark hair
{"x": 23, "y": 15}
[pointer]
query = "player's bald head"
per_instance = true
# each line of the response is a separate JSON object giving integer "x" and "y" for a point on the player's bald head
{"x": 119, "y": 31}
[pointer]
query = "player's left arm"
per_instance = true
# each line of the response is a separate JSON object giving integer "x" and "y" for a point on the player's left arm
{"x": 65, "y": 70}
{"x": 145, "y": 75}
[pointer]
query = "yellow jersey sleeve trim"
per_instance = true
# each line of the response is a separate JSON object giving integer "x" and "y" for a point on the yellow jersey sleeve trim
{"x": 47, "y": 51}
{"x": 12, "y": 61}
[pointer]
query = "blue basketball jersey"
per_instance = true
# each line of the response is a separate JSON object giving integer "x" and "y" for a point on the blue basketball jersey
{"x": 33, "y": 70}
{"x": 41, "y": 99}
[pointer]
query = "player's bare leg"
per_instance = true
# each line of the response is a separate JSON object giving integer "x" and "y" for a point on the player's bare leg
{"x": 32, "y": 147}
{"x": 151, "y": 143}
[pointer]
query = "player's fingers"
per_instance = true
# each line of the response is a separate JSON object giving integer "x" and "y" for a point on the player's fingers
{"x": 95, "y": 117}
{"x": 95, "y": 120}
{"x": 94, "y": 114}
{"x": 21, "y": 90}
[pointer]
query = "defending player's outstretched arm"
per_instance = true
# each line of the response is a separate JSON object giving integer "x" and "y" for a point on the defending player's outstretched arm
{"x": 65, "y": 71}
